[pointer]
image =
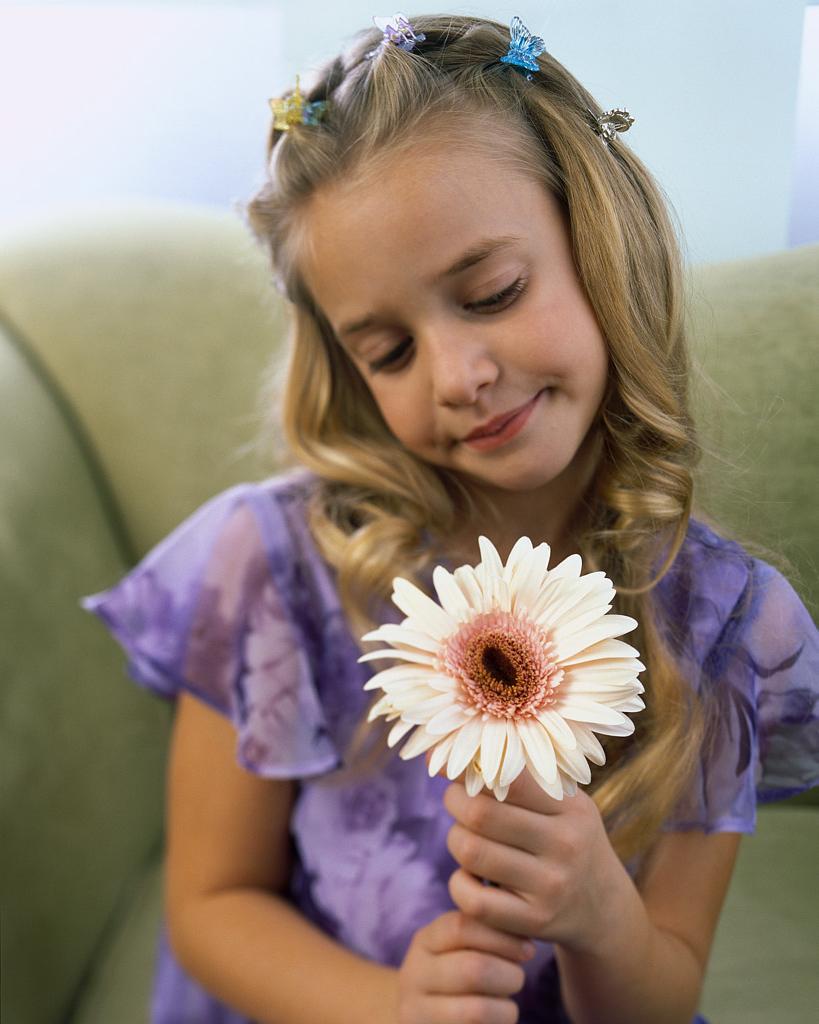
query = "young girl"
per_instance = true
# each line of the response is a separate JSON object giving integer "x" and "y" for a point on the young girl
{"x": 487, "y": 340}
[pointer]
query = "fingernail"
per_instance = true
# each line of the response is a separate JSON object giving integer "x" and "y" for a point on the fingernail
{"x": 527, "y": 950}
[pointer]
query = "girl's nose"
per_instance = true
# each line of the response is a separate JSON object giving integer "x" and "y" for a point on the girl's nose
{"x": 460, "y": 366}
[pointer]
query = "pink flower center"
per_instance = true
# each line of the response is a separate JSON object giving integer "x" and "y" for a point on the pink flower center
{"x": 505, "y": 664}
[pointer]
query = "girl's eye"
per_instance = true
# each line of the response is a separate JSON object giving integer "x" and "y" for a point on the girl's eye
{"x": 502, "y": 298}
{"x": 390, "y": 357}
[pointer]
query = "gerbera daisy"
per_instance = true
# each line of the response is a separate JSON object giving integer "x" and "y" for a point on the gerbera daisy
{"x": 516, "y": 668}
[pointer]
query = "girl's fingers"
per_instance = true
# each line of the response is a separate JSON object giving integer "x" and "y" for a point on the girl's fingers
{"x": 467, "y": 972}
{"x": 456, "y": 931}
{"x": 457, "y": 1009}
{"x": 503, "y": 822}
{"x": 510, "y": 867}
{"x": 500, "y": 909}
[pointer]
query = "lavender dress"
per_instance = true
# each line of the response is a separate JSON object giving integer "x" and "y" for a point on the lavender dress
{"x": 237, "y": 607}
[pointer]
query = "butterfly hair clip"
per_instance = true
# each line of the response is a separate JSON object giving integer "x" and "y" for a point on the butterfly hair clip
{"x": 524, "y": 48}
{"x": 398, "y": 31}
{"x": 295, "y": 110}
{"x": 607, "y": 125}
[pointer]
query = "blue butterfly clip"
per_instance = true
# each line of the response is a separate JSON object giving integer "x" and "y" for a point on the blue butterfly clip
{"x": 523, "y": 47}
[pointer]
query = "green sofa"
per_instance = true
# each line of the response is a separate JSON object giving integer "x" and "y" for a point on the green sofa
{"x": 133, "y": 341}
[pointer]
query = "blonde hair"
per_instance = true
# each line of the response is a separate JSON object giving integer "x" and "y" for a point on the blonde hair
{"x": 376, "y": 501}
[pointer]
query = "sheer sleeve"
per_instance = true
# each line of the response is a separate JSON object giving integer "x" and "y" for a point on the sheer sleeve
{"x": 760, "y": 687}
{"x": 204, "y": 613}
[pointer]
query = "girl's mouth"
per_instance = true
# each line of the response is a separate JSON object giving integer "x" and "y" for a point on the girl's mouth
{"x": 511, "y": 428}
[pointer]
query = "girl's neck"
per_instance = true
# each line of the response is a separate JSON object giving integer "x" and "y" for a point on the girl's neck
{"x": 549, "y": 514}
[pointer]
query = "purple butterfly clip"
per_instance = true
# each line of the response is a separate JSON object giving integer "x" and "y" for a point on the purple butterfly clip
{"x": 397, "y": 30}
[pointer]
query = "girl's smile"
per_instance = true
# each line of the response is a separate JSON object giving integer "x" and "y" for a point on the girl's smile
{"x": 498, "y": 432}
{"x": 448, "y": 279}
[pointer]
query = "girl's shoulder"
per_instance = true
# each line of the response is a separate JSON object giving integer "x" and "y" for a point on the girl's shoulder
{"x": 751, "y": 649}
{"x": 716, "y": 590}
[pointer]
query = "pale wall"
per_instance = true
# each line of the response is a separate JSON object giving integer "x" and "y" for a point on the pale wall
{"x": 170, "y": 100}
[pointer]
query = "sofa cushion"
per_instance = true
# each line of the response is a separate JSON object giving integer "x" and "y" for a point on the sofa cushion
{"x": 754, "y": 324}
{"x": 119, "y": 989}
{"x": 83, "y": 750}
{"x": 763, "y": 964}
{"x": 158, "y": 320}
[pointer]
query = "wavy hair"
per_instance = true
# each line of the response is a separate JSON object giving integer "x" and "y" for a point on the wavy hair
{"x": 377, "y": 504}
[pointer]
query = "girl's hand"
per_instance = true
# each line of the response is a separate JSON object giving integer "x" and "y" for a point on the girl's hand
{"x": 552, "y": 859}
{"x": 458, "y": 969}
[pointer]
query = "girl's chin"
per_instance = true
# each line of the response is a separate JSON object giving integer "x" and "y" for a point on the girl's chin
{"x": 511, "y": 480}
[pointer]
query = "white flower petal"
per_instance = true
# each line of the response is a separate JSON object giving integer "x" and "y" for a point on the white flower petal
{"x": 539, "y": 749}
{"x": 607, "y": 693}
{"x": 444, "y": 684}
{"x": 417, "y": 625}
{"x": 554, "y": 787}
{"x": 419, "y": 657}
{"x": 422, "y": 712}
{"x": 418, "y": 743}
{"x": 605, "y": 649}
{"x": 415, "y": 707}
{"x": 407, "y": 687}
{"x": 467, "y": 580}
{"x": 527, "y": 581}
{"x": 492, "y": 744}
{"x": 581, "y": 616}
{"x": 558, "y": 730}
{"x": 569, "y": 600}
{"x": 490, "y": 559}
{"x": 501, "y": 595}
{"x": 474, "y": 781}
{"x": 466, "y": 745}
{"x": 574, "y": 764}
{"x": 399, "y": 673}
{"x": 630, "y": 704}
{"x": 452, "y": 717}
{"x": 513, "y": 760}
{"x": 611, "y": 625}
{"x": 568, "y": 569}
{"x": 590, "y": 712}
{"x": 603, "y": 670}
{"x": 626, "y": 728}
{"x": 437, "y": 759}
{"x": 402, "y": 637}
{"x": 589, "y": 744}
{"x": 501, "y": 792}
{"x": 414, "y": 603}
{"x": 398, "y": 732}
{"x": 380, "y": 707}
{"x": 518, "y": 556}
{"x": 450, "y": 594}
{"x": 555, "y": 598}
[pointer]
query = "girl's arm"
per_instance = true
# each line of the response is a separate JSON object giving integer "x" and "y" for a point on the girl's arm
{"x": 651, "y": 966}
{"x": 227, "y": 860}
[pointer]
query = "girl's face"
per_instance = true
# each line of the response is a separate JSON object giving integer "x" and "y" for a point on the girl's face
{"x": 448, "y": 279}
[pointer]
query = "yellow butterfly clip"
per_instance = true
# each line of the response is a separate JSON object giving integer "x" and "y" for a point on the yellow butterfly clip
{"x": 293, "y": 110}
